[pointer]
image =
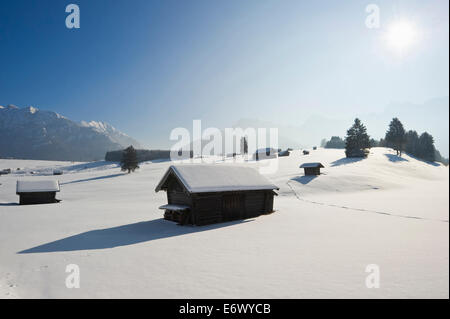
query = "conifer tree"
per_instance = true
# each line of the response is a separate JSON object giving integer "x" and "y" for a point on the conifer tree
{"x": 357, "y": 140}
{"x": 412, "y": 142}
{"x": 396, "y": 136}
{"x": 129, "y": 160}
{"x": 426, "y": 149}
{"x": 244, "y": 146}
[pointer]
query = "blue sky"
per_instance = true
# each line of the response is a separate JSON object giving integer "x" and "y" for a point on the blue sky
{"x": 149, "y": 66}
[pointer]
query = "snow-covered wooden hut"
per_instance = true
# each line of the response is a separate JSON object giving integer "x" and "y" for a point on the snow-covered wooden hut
{"x": 201, "y": 194}
{"x": 57, "y": 172}
{"x": 284, "y": 153}
{"x": 37, "y": 192}
{"x": 5, "y": 171}
{"x": 265, "y": 153}
{"x": 312, "y": 168}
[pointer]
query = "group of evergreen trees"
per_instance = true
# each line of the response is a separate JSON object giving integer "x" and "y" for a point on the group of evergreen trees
{"x": 410, "y": 142}
{"x": 334, "y": 142}
{"x": 357, "y": 141}
{"x": 420, "y": 146}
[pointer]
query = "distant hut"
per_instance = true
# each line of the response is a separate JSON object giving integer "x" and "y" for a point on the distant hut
{"x": 312, "y": 168}
{"x": 305, "y": 152}
{"x": 202, "y": 194}
{"x": 284, "y": 153}
{"x": 5, "y": 171}
{"x": 37, "y": 192}
{"x": 57, "y": 172}
{"x": 265, "y": 153}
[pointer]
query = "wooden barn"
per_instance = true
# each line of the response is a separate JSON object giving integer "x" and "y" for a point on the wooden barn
{"x": 284, "y": 153}
{"x": 37, "y": 192}
{"x": 202, "y": 194}
{"x": 57, "y": 172}
{"x": 265, "y": 153}
{"x": 5, "y": 171}
{"x": 312, "y": 168}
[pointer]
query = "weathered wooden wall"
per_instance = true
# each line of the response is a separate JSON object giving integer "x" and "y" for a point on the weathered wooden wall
{"x": 218, "y": 207}
{"x": 37, "y": 198}
{"x": 312, "y": 171}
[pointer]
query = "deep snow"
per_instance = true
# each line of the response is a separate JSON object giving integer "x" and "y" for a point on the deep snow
{"x": 381, "y": 210}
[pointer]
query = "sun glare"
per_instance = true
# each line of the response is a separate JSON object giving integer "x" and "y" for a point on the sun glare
{"x": 401, "y": 35}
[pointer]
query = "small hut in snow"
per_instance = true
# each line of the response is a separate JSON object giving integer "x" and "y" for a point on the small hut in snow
{"x": 57, "y": 172}
{"x": 201, "y": 194}
{"x": 312, "y": 168}
{"x": 37, "y": 192}
{"x": 265, "y": 153}
{"x": 5, "y": 171}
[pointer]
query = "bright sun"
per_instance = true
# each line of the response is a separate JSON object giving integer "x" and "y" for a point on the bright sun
{"x": 401, "y": 35}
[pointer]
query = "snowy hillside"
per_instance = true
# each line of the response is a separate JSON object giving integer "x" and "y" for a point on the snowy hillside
{"x": 383, "y": 210}
{"x": 34, "y": 134}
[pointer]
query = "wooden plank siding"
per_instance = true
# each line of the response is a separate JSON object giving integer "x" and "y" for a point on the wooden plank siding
{"x": 37, "y": 198}
{"x": 178, "y": 198}
{"x": 312, "y": 170}
{"x": 177, "y": 194}
{"x": 218, "y": 207}
{"x": 255, "y": 203}
{"x": 207, "y": 208}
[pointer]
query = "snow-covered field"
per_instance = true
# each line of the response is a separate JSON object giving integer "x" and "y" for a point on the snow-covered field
{"x": 381, "y": 210}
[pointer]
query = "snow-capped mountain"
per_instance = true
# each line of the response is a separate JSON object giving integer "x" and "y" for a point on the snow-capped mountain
{"x": 30, "y": 133}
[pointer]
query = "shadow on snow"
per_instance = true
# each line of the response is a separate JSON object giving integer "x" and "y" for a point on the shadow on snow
{"x": 346, "y": 160}
{"x": 9, "y": 204}
{"x": 395, "y": 158}
{"x": 424, "y": 161}
{"x": 88, "y": 165}
{"x": 124, "y": 235}
{"x": 305, "y": 179}
{"x": 93, "y": 178}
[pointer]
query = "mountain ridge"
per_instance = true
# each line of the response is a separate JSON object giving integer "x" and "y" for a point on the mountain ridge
{"x": 31, "y": 133}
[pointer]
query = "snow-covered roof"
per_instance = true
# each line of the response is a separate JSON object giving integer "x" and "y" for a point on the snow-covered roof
{"x": 202, "y": 178}
{"x": 310, "y": 165}
{"x": 37, "y": 186}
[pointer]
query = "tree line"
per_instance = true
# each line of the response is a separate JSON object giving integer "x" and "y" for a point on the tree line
{"x": 357, "y": 142}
